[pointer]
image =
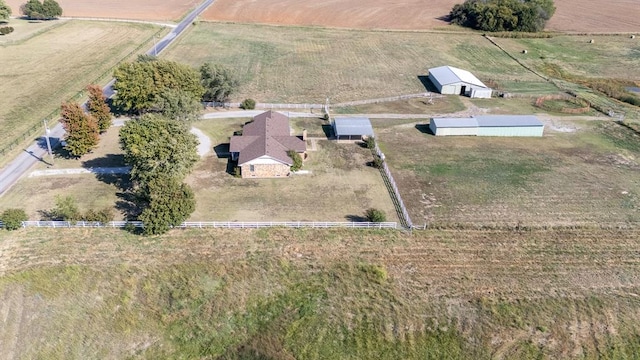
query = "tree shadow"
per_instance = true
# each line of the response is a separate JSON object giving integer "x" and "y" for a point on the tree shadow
{"x": 424, "y": 128}
{"x": 129, "y": 204}
{"x": 109, "y": 160}
{"x": 446, "y": 18}
{"x": 428, "y": 85}
{"x": 356, "y": 218}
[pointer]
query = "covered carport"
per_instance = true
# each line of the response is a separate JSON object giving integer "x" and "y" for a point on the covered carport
{"x": 352, "y": 128}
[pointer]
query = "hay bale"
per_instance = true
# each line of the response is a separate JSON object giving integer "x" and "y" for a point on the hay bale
{"x": 633, "y": 36}
{"x": 591, "y": 41}
{"x": 524, "y": 51}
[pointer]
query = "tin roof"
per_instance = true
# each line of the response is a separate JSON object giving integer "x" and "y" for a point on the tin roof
{"x": 508, "y": 120}
{"x": 345, "y": 126}
{"x": 455, "y": 122}
{"x": 450, "y": 75}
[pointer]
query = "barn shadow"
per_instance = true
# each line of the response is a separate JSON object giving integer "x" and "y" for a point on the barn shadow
{"x": 424, "y": 128}
{"x": 327, "y": 129}
{"x": 222, "y": 151}
{"x": 428, "y": 85}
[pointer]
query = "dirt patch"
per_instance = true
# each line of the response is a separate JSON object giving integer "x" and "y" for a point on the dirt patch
{"x": 121, "y": 9}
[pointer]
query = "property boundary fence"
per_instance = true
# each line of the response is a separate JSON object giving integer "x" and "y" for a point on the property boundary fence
{"x": 395, "y": 193}
{"x": 214, "y": 224}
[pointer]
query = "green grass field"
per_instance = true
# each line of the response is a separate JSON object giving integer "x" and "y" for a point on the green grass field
{"x": 298, "y": 64}
{"x": 579, "y": 173}
{"x": 320, "y": 294}
{"x": 55, "y": 64}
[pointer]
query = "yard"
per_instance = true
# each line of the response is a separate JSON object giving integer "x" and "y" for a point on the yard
{"x": 580, "y": 173}
{"x": 55, "y": 64}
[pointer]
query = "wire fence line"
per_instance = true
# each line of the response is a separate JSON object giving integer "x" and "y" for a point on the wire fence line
{"x": 323, "y": 106}
{"x": 395, "y": 193}
{"x": 213, "y": 224}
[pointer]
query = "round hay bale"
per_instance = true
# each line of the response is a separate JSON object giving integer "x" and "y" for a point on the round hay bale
{"x": 632, "y": 36}
{"x": 524, "y": 51}
{"x": 591, "y": 41}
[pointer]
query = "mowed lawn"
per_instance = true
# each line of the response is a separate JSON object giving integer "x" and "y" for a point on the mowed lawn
{"x": 339, "y": 187}
{"x": 41, "y": 71}
{"x": 301, "y": 64}
{"x": 586, "y": 177}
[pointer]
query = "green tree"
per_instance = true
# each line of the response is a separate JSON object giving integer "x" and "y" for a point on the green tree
{"x": 98, "y": 108}
{"x": 503, "y": 15}
{"x": 170, "y": 203}
{"x": 375, "y": 215}
{"x": 140, "y": 84}
{"x": 66, "y": 209}
{"x": 157, "y": 147}
{"x": 248, "y": 104}
{"x": 82, "y": 129}
{"x": 46, "y": 10}
{"x": 12, "y": 218}
{"x": 218, "y": 81}
{"x": 5, "y": 12}
{"x": 178, "y": 105}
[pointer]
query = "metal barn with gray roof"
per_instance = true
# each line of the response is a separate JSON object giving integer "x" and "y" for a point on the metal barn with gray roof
{"x": 488, "y": 125}
{"x": 451, "y": 80}
{"x": 352, "y": 128}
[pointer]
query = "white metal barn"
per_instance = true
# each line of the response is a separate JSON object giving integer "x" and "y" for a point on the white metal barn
{"x": 451, "y": 80}
{"x": 454, "y": 126}
{"x": 352, "y": 128}
{"x": 488, "y": 125}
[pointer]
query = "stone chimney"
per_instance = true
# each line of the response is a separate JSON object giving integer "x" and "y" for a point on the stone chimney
{"x": 304, "y": 134}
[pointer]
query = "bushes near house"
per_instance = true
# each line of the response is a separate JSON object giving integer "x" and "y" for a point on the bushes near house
{"x": 297, "y": 160}
{"x": 12, "y": 218}
{"x": 248, "y": 104}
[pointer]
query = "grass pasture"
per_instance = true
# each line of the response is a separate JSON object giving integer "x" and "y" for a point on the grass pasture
{"x": 330, "y": 294}
{"x": 584, "y": 174}
{"x": 52, "y": 66}
{"x": 303, "y": 64}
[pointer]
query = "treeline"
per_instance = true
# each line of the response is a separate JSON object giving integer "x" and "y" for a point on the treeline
{"x": 503, "y": 15}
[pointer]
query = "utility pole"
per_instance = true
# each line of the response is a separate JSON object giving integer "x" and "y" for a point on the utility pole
{"x": 47, "y": 131}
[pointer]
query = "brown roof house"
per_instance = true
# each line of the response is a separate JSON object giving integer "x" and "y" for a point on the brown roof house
{"x": 261, "y": 150}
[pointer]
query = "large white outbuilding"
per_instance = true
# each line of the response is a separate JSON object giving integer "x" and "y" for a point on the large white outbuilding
{"x": 454, "y": 81}
{"x": 488, "y": 125}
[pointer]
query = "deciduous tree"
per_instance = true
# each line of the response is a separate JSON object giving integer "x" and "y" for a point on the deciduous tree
{"x": 157, "y": 147}
{"x": 170, "y": 203}
{"x": 46, "y": 10}
{"x": 12, "y": 218}
{"x": 178, "y": 105}
{"x": 98, "y": 108}
{"x": 82, "y": 129}
{"x": 5, "y": 12}
{"x": 139, "y": 84}
{"x": 218, "y": 81}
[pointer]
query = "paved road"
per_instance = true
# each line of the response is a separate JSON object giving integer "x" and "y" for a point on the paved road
{"x": 38, "y": 151}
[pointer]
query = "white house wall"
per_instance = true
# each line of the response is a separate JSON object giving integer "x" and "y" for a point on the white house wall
{"x": 534, "y": 131}
{"x": 263, "y": 160}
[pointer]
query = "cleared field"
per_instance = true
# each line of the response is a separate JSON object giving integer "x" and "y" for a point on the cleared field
{"x": 293, "y": 64}
{"x": 121, "y": 9}
{"x": 340, "y": 186}
{"x": 55, "y": 65}
{"x": 571, "y": 15}
{"x": 341, "y": 294}
{"x": 579, "y": 173}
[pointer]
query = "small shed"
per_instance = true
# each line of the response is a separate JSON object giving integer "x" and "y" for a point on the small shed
{"x": 352, "y": 128}
{"x": 451, "y": 80}
{"x": 454, "y": 126}
{"x": 509, "y": 125}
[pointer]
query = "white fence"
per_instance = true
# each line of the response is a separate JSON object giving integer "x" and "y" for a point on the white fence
{"x": 396, "y": 193}
{"x": 216, "y": 224}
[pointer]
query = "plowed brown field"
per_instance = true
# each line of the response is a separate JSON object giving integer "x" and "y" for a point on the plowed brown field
{"x": 571, "y": 15}
{"x": 120, "y": 9}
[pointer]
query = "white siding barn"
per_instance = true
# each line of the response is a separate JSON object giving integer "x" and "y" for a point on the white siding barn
{"x": 489, "y": 125}
{"x": 454, "y": 81}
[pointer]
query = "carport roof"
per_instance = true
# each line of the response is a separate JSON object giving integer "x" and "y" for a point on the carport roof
{"x": 345, "y": 126}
